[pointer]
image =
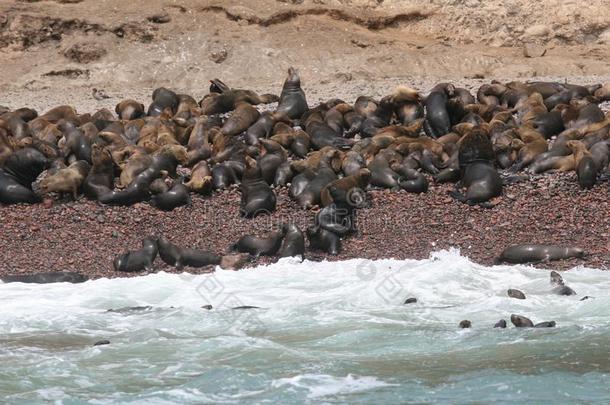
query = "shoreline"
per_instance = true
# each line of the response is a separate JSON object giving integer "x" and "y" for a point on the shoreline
{"x": 85, "y": 236}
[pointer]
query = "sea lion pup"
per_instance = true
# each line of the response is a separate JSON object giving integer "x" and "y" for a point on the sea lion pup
{"x": 138, "y": 260}
{"x": 260, "y": 246}
{"x": 292, "y": 99}
{"x": 437, "y": 122}
{"x": 68, "y": 180}
{"x": 327, "y": 156}
{"x": 533, "y": 253}
{"x": 201, "y": 178}
{"x": 347, "y": 186}
{"x": 535, "y": 145}
{"x": 163, "y": 99}
{"x": 129, "y": 110}
{"x": 46, "y": 277}
{"x": 181, "y": 257}
{"x": 294, "y": 242}
{"x": 586, "y": 169}
{"x": 26, "y": 164}
{"x": 478, "y": 174}
{"x": 323, "y": 240}
{"x": 187, "y": 109}
{"x": 256, "y": 195}
{"x": 240, "y": 119}
{"x": 175, "y": 197}
{"x": 264, "y": 126}
{"x": 13, "y": 192}
{"x": 100, "y": 179}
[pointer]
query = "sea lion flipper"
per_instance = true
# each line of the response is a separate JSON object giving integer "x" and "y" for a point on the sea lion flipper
{"x": 457, "y": 195}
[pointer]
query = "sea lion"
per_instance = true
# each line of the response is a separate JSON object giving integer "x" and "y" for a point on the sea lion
{"x": 294, "y": 242}
{"x": 175, "y": 197}
{"x": 535, "y": 145}
{"x": 411, "y": 180}
{"x": 547, "y": 324}
{"x": 138, "y": 260}
{"x": 411, "y": 300}
{"x": 323, "y": 240}
{"x": 346, "y": 186}
{"x": 136, "y": 191}
{"x": 292, "y": 99}
{"x": 180, "y": 257}
{"x": 100, "y": 179}
{"x": 352, "y": 163}
{"x": 283, "y": 174}
{"x": 335, "y": 219}
{"x": 68, "y": 180}
{"x": 256, "y": 195}
{"x": 201, "y": 178}
{"x": 465, "y": 324}
{"x": 500, "y": 324}
{"x": 129, "y": 110}
{"x": 240, "y": 119}
{"x": 223, "y": 176}
{"x": 537, "y": 253}
{"x": 46, "y": 277}
{"x": 215, "y": 103}
{"x": 187, "y": 108}
{"x": 521, "y": 321}
{"x": 13, "y": 192}
{"x": 163, "y": 99}
{"x": 437, "y": 122}
{"x": 586, "y": 169}
{"x": 516, "y": 294}
{"x": 26, "y": 164}
{"x": 382, "y": 174}
{"x": 310, "y": 196}
{"x": 260, "y": 246}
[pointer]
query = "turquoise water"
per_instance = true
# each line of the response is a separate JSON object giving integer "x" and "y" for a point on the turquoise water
{"x": 324, "y": 333}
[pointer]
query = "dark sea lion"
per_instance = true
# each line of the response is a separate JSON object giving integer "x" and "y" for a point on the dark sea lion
{"x": 26, "y": 164}
{"x": 129, "y": 110}
{"x": 294, "y": 242}
{"x": 100, "y": 179}
{"x": 176, "y": 196}
{"x": 465, "y": 324}
{"x": 13, "y": 192}
{"x": 223, "y": 177}
{"x": 138, "y": 260}
{"x": 163, "y": 98}
{"x": 556, "y": 278}
{"x": 283, "y": 174}
{"x": 322, "y": 135}
{"x": 300, "y": 143}
{"x": 180, "y": 257}
{"x": 586, "y": 168}
{"x": 136, "y": 191}
{"x": 500, "y": 324}
{"x": 323, "y": 240}
{"x": 516, "y": 294}
{"x": 240, "y": 119}
{"x": 521, "y": 321}
{"x": 187, "y": 109}
{"x": 410, "y": 301}
{"x": 437, "y": 122}
{"x": 482, "y": 183}
{"x": 536, "y": 253}
{"x": 45, "y": 278}
{"x": 292, "y": 99}
{"x": 382, "y": 174}
{"x": 300, "y": 182}
{"x": 335, "y": 219}
{"x": 260, "y": 246}
{"x": 352, "y": 163}
{"x": 311, "y": 194}
{"x": 68, "y": 180}
{"x": 256, "y": 195}
{"x": 411, "y": 180}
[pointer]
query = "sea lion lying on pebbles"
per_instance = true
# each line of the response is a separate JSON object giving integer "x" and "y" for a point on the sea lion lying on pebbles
{"x": 537, "y": 253}
{"x": 181, "y": 257}
{"x": 138, "y": 260}
{"x": 260, "y": 246}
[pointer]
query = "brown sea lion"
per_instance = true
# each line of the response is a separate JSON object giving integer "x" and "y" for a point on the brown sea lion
{"x": 68, "y": 180}
{"x": 586, "y": 168}
{"x": 100, "y": 178}
{"x": 129, "y": 109}
{"x": 241, "y": 119}
{"x": 346, "y": 185}
{"x": 535, "y": 145}
{"x": 201, "y": 178}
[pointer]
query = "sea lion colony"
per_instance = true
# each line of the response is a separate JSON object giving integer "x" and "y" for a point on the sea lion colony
{"x": 327, "y": 155}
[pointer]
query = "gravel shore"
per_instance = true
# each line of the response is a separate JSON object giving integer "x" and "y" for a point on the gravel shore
{"x": 85, "y": 236}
